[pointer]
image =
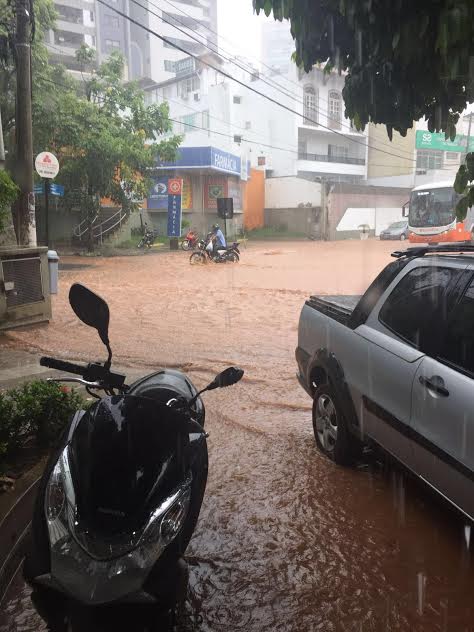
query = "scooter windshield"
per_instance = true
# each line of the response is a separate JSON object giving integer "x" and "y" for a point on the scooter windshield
{"x": 125, "y": 458}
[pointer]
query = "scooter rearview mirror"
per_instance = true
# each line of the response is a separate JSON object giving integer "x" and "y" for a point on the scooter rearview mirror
{"x": 91, "y": 309}
{"x": 229, "y": 376}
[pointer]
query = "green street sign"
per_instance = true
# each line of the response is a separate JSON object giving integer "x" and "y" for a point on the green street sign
{"x": 437, "y": 140}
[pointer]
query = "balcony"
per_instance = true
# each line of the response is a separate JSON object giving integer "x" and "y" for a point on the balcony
{"x": 325, "y": 158}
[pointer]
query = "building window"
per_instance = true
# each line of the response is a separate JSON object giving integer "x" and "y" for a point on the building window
{"x": 195, "y": 83}
{"x": 109, "y": 43}
{"x": 66, "y": 38}
{"x": 302, "y": 149}
{"x": 91, "y": 16}
{"x": 189, "y": 123}
{"x": 237, "y": 99}
{"x": 310, "y": 111}
{"x": 334, "y": 109}
{"x": 338, "y": 153}
{"x": 428, "y": 159}
{"x": 170, "y": 65}
{"x": 205, "y": 119}
{"x": 111, "y": 21}
{"x": 68, "y": 14}
{"x": 248, "y": 124}
{"x": 452, "y": 156}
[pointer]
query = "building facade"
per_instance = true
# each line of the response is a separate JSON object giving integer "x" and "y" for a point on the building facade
{"x": 277, "y": 46}
{"x": 146, "y": 56}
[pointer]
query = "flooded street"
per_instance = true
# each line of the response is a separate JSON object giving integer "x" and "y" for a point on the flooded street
{"x": 286, "y": 541}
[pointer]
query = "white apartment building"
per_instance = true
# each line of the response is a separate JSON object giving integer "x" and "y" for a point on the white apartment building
{"x": 277, "y": 46}
{"x": 307, "y": 137}
{"x": 147, "y": 57}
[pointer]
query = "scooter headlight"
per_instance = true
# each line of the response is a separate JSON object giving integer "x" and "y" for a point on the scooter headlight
{"x": 55, "y": 494}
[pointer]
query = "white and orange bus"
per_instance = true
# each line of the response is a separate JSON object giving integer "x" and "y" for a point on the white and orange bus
{"x": 432, "y": 216}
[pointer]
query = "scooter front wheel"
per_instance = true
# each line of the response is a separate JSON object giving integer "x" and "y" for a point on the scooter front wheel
{"x": 185, "y": 244}
{"x": 197, "y": 258}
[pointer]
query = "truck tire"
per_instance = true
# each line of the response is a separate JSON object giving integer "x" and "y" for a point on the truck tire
{"x": 330, "y": 428}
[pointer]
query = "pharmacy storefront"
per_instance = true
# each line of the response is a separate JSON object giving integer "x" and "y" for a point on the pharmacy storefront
{"x": 207, "y": 173}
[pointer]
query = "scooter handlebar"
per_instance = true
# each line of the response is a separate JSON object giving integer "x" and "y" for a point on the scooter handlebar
{"x": 60, "y": 365}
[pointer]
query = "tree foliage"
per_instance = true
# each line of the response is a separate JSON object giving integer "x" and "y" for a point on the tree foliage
{"x": 105, "y": 136}
{"x": 8, "y": 194}
{"x": 405, "y": 59}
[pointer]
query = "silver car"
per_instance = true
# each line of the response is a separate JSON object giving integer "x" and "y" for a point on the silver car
{"x": 396, "y": 367}
{"x": 397, "y": 230}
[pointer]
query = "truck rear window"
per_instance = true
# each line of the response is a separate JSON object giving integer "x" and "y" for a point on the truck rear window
{"x": 375, "y": 291}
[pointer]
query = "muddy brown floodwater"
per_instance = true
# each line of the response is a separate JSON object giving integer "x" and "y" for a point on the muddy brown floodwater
{"x": 286, "y": 541}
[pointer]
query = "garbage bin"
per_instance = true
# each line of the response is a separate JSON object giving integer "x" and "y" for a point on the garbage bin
{"x": 364, "y": 230}
{"x": 53, "y": 265}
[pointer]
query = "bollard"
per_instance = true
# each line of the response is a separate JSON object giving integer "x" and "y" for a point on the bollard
{"x": 53, "y": 265}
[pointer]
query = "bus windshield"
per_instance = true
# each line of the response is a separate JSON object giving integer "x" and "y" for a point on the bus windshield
{"x": 432, "y": 207}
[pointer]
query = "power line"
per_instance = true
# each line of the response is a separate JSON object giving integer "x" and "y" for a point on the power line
{"x": 237, "y": 127}
{"x": 250, "y": 70}
{"x": 228, "y": 76}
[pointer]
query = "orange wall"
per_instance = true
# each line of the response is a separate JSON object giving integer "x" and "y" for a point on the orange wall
{"x": 254, "y": 200}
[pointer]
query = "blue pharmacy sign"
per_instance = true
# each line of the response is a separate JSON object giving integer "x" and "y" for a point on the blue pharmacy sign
{"x": 174, "y": 207}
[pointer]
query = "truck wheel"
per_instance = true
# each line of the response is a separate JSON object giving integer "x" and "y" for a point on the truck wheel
{"x": 330, "y": 428}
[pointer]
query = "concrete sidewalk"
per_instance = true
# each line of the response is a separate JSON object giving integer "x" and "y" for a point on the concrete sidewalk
{"x": 18, "y": 367}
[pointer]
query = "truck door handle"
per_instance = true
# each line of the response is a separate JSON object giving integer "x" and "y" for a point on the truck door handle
{"x": 434, "y": 383}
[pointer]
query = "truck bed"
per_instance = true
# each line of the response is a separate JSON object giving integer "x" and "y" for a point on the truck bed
{"x": 339, "y": 308}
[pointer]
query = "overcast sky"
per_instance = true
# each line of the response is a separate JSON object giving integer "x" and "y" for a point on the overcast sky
{"x": 239, "y": 27}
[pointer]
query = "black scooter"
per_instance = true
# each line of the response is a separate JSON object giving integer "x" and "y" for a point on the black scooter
{"x": 120, "y": 498}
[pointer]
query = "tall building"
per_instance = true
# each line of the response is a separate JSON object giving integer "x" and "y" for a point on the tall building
{"x": 75, "y": 25}
{"x": 181, "y": 22}
{"x": 89, "y": 22}
{"x": 277, "y": 46}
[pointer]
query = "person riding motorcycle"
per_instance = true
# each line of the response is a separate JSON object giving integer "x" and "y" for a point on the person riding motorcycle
{"x": 217, "y": 239}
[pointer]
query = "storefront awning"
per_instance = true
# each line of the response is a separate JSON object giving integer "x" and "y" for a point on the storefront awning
{"x": 205, "y": 158}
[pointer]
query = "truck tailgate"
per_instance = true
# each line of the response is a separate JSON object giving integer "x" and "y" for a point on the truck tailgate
{"x": 339, "y": 308}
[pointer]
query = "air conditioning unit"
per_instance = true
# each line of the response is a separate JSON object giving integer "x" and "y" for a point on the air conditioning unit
{"x": 24, "y": 287}
{"x": 197, "y": 96}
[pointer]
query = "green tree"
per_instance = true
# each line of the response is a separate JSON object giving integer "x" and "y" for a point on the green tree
{"x": 45, "y": 76}
{"x": 405, "y": 59}
{"x": 105, "y": 137}
{"x": 8, "y": 194}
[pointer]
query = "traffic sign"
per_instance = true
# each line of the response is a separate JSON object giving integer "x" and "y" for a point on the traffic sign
{"x": 47, "y": 165}
{"x": 56, "y": 189}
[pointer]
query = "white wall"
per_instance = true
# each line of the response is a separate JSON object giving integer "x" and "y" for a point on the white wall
{"x": 407, "y": 180}
{"x": 290, "y": 192}
{"x": 377, "y": 218}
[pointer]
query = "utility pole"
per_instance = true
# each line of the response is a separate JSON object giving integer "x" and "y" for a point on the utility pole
{"x": 2, "y": 146}
{"x": 468, "y": 135}
{"x": 26, "y": 221}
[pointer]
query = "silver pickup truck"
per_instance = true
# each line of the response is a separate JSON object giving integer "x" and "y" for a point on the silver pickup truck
{"x": 396, "y": 367}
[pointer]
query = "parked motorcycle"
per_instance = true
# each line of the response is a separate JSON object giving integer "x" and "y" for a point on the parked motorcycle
{"x": 190, "y": 241}
{"x": 205, "y": 253}
{"x": 148, "y": 239}
{"x": 120, "y": 497}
